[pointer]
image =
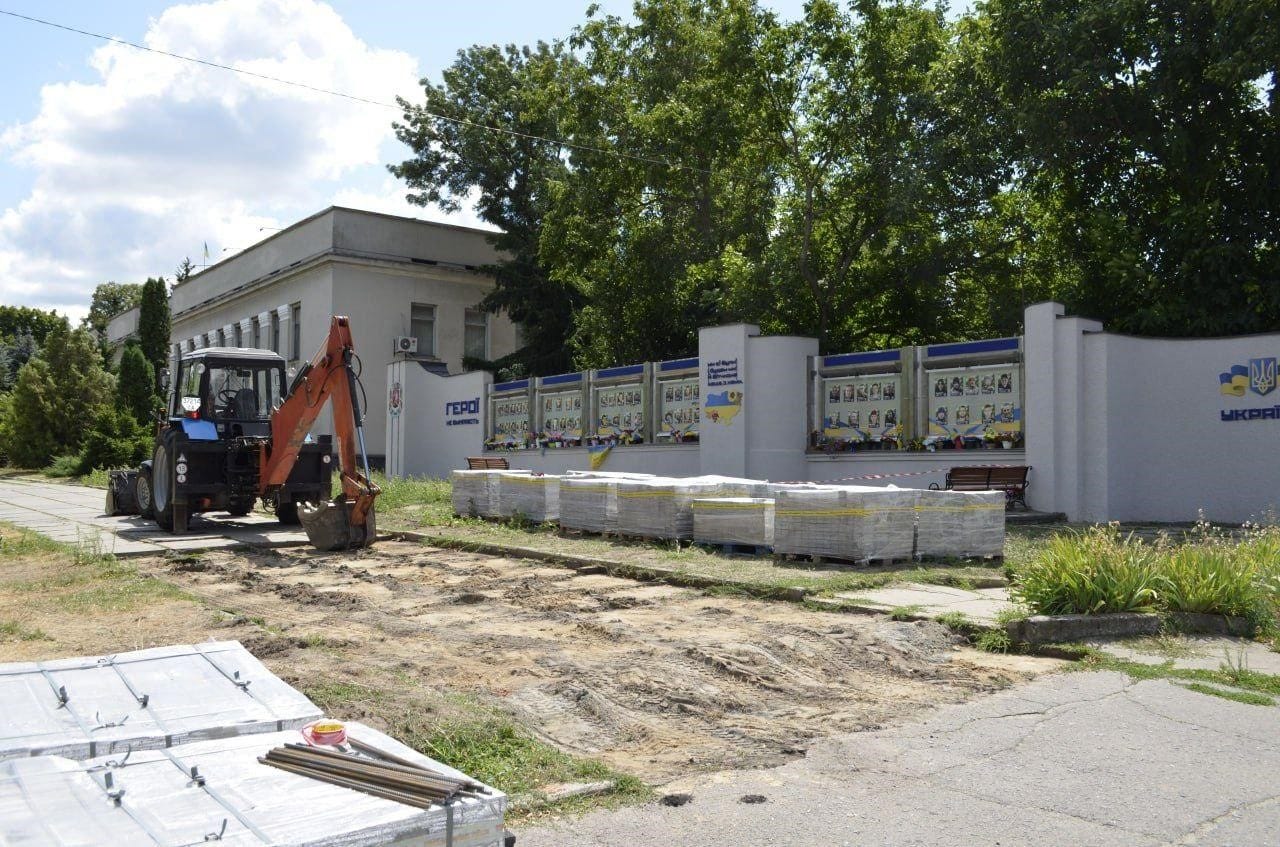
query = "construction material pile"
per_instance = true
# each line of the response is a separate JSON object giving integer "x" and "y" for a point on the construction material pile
{"x": 663, "y": 507}
{"x": 589, "y": 501}
{"x": 475, "y": 494}
{"x": 166, "y": 748}
{"x": 849, "y": 522}
{"x": 960, "y": 523}
{"x": 533, "y": 496}
{"x": 142, "y": 700}
{"x": 746, "y": 521}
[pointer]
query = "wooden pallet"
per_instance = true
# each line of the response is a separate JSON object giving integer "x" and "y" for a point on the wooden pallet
{"x": 729, "y": 548}
{"x": 838, "y": 561}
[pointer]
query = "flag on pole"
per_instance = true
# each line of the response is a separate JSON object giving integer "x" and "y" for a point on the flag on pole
{"x": 206, "y": 251}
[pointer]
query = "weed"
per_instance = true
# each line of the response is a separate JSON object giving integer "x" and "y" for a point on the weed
{"x": 904, "y": 613}
{"x": 1092, "y": 572}
{"x": 15, "y": 631}
{"x": 1239, "y": 696}
{"x": 993, "y": 641}
{"x": 1261, "y": 683}
{"x": 957, "y": 621}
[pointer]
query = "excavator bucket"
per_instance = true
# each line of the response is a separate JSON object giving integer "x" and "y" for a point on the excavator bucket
{"x": 328, "y": 525}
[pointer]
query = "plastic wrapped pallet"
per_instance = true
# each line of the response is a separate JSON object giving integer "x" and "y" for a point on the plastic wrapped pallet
{"x": 50, "y": 800}
{"x": 475, "y": 493}
{"x": 142, "y": 700}
{"x": 846, "y": 522}
{"x": 960, "y": 523}
{"x": 535, "y": 496}
{"x": 663, "y": 507}
{"x": 733, "y": 520}
{"x": 590, "y": 503}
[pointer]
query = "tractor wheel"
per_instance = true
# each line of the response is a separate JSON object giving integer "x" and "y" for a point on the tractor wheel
{"x": 170, "y": 516}
{"x": 239, "y": 508}
{"x": 287, "y": 512}
{"x": 142, "y": 492}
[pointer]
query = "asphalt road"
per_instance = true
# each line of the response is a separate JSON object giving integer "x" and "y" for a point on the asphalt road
{"x": 1072, "y": 759}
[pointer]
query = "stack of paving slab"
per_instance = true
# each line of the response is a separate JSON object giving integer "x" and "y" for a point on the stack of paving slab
{"x": 859, "y": 523}
{"x": 160, "y": 748}
{"x": 747, "y": 521}
{"x": 477, "y": 494}
{"x": 960, "y": 523}
{"x": 662, "y": 507}
{"x": 589, "y": 501}
{"x": 532, "y": 495}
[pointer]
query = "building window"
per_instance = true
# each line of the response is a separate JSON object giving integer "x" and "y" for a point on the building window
{"x": 275, "y": 331}
{"x": 422, "y": 326}
{"x": 239, "y": 335}
{"x": 295, "y": 326}
{"x": 255, "y": 331}
{"x": 222, "y": 339}
{"x": 475, "y": 342}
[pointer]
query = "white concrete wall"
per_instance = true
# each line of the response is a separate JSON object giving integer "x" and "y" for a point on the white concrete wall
{"x": 306, "y": 239}
{"x": 1130, "y": 429}
{"x": 436, "y": 428}
{"x": 778, "y": 368}
{"x": 378, "y": 298}
{"x": 724, "y": 366}
{"x": 904, "y": 469}
{"x": 370, "y": 233}
{"x": 661, "y": 460}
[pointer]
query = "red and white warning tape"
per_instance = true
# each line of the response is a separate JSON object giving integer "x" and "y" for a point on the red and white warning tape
{"x": 898, "y": 475}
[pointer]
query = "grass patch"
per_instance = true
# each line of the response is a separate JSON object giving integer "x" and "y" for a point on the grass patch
{"x": 15, "y": 631}
{"x": 904, "y": 613}
{"x": 479, "y": 740}
{"x": 1238, "y": 696}
{"x": 1207, "y": 571}
{"x": 993, "y": 641}
{"x": 1235, "y": 676}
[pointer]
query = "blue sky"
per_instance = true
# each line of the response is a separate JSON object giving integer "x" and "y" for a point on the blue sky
{"x": 115, "y": 164}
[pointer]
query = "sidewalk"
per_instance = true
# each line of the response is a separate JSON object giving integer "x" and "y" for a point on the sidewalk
{"x": 1072, "y": 758}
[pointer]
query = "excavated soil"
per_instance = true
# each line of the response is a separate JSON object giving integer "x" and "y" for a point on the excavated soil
{"x": 655, "y": 680}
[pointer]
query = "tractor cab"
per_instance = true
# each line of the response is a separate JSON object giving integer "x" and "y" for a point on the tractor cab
{"x": 228, "y": 392}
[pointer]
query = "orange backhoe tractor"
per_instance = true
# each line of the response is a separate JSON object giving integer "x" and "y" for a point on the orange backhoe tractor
{"x": 231, "y": 436}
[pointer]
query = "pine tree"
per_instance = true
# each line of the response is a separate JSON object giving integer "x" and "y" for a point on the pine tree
{"x": 134, "y": 384}
{"x": 153, "y": 326}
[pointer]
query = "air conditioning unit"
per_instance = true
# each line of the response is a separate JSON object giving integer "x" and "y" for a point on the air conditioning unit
{"x": 405, "y": 344}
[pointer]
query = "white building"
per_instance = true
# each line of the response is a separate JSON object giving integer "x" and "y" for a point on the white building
{"x": 393, "y": 276}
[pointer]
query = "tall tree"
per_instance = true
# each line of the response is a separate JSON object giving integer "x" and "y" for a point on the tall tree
{"x": 456, "y": 152}
{"x": 153, "y": 326}
{"x": 134, "y": 386}
{"x": 56, "y": 397}
{"x": 669, "y": 187}
{"x": 1152, "y": 129}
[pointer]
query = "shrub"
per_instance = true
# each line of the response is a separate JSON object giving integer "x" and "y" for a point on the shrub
{"x": 1091, "y": 573}
{"x": 115, "y": 441}
{"x": 1211, "y": 579}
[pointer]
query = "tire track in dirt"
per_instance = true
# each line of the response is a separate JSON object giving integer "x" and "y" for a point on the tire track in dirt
{"x": 654, "y": 679}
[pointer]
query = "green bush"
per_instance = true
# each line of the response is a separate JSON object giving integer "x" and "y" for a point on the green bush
{"x": 115, "y": 441}
{"x": 1211, "y": 579}
{"x": 1091, "y": 573}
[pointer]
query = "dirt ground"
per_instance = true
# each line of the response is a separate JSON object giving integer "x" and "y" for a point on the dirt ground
{"x": 654, "y": 680}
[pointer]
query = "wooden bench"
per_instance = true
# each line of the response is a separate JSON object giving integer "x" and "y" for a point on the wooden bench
{"x": 488, "y": 463}
{"x": 1011, "y": 480}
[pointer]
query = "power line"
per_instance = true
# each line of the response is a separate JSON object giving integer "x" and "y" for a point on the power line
{"x": 356, "y": 98}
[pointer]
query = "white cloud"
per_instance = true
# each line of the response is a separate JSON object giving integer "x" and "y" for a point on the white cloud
{"x": 140, "y": 168}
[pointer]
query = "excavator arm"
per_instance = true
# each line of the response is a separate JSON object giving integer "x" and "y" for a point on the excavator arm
{"x": 348, "y": 520}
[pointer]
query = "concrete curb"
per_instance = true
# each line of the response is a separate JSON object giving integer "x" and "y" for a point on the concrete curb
{"x": 1213, "y": 624}
{"x": 1039, "y": 629}
{"x": 645, "y": 573}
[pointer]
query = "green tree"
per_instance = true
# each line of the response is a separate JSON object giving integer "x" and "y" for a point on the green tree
{"x": 455, "y": 154}
{"x": 29, "y": 440}
{"x": 111, "y": 299}
{"x": 14, "y": 354}
{"x": 153, "y": 326}
{"x": 134, "y": 385}
{"x": 79, "y": 384}
{"x": 115, "y": 440}
{"x": 1152, "y": 132}
{"x": 18, "y": 319}
{"x": 886, "y": 178}
{"x": 669, "y": 187}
